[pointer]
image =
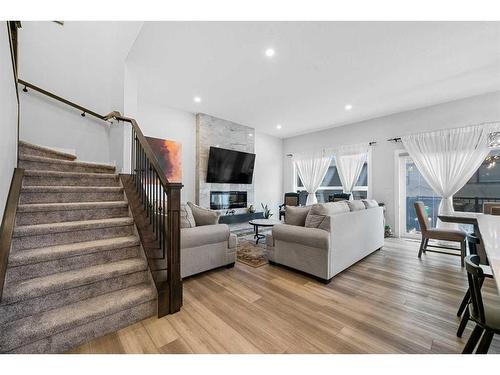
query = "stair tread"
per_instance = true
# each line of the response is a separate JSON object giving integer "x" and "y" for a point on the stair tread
{"x": 41, "y": 159}
{"x": 36, "y": 327}
{"x": 36, "y": 207}
{"x": 67, "y": 226}
{"x": 36, "y": 172}
{"x": 69, "y": 189}
{"x": 44, "y": 285}
{"x": 44, "y": 254}
{"x": 47, "y": 149}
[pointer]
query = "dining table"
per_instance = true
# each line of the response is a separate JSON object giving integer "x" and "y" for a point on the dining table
{"x": 487, "y": 229}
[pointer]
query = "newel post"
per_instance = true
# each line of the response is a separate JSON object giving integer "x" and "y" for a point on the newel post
{"x": 173, "y": 253}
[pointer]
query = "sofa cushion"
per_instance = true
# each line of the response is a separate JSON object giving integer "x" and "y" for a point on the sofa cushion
{"x": 296, "y": 215}
{"x": 187, "y": 219}
{"x": 204, "y": 235}
{"x": 312, "y": 237}
{"x": 370, "y": 203}
{"x": 356, "y": 205}
{"x": 203, "y": 216}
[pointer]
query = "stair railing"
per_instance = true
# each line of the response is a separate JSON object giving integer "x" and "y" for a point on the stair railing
{"x": 159, "y": 197}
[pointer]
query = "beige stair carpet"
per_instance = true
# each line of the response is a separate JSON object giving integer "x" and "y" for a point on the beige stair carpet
{"x": 76, "y": 270}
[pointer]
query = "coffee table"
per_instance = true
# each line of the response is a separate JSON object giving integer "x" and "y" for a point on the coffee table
{"x": 261, "y": 223}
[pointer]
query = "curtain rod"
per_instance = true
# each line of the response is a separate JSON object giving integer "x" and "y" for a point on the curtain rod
{"x": 372, "y": 143}
{"x": 398, "y": 139}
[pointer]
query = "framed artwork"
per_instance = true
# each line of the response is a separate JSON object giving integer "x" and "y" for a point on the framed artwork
{"x": 169, "y": 155}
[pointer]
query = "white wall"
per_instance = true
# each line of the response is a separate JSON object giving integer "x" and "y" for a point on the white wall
{"x": 8, "y": 117}
{"x": 157, "y": 120}
{"x": 458, "y": 113}
{"x": 80, "y": 61}
{"x": 268, "y": 172}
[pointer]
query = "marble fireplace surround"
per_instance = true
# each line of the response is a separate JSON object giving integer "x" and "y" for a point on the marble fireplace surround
{"x": 213, "y": 131}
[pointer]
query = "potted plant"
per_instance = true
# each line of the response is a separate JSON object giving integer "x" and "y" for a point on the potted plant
{"x": 267, "y": 212}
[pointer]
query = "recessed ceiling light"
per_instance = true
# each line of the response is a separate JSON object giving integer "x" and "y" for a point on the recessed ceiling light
{"x": 197, "y": 99}
{"x": 269, "y": 52}
{"x": 278, "y": 126}
{"x": 348, "y": 107}
{"x": 250, "y": 134}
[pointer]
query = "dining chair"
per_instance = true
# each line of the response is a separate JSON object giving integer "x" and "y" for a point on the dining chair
{"x": 472, "y": 242}
{"x": 428, "y": 233}
{"x": 336, "y": 197}
{"x": 491, "y": 208}
{"x": 290, "y": 199}
{"x": 485, "y": 315}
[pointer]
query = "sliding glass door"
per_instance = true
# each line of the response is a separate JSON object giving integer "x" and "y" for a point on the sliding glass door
{"x": 484, "y": 186}
{"x": 413, "y": 187}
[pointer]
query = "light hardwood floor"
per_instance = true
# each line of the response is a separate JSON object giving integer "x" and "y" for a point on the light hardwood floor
{"x": 390, "y": 302}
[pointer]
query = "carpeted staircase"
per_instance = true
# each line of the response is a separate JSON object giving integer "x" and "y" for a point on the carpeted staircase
{"x": 76, "y": 270}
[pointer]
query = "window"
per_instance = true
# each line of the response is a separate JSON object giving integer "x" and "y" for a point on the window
{"x": 331, "y": 184}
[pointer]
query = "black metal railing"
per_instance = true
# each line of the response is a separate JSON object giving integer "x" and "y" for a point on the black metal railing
{"x": 463, "y": 204}
{"x": 160, "y": 201}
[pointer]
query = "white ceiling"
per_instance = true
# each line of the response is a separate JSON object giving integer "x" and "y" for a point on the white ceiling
{"x": 378, "y": 67}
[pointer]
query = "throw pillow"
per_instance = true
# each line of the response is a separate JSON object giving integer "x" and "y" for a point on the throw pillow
{"x": 296, "y": 215}
{"x": 370, "y": 203}
{"x": 356, "y": 205}
{"x": 203, "y": 216}
{"x": 335, "y": 208}
{"x": 187, "y": 219}
{"x": 317, "y": 221}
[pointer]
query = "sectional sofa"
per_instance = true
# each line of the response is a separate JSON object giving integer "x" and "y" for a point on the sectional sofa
{"x": 325, "y": 239}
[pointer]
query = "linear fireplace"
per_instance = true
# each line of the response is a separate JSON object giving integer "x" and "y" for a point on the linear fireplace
{"x": 220, "y": 200}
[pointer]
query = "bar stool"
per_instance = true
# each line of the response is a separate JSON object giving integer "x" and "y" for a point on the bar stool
{"x": 472, "y": 242}
{"x": 486, "y": 316}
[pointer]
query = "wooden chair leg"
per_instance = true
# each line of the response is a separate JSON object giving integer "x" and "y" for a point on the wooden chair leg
{"x": 425, "y": 244}
{"x": 473, "y": 339}
{"x": 422, "y": 245}
{"x": 485, "y": 342}
{"x": 463, "y": 323}
{"x": 464, "y": 303}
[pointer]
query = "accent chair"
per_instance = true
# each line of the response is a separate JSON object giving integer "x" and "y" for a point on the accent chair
{"x": 291, "y": 199}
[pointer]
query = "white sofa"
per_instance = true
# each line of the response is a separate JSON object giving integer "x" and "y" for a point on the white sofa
{"x": 205, "y": 245}
{"x": 344, "y": 239}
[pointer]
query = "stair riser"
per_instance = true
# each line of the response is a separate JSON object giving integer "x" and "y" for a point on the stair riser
{"x": 37, "y": 305}
{"x": 46, "y": 217}
{"x": 66, "y": 167}
{"x": 40, "y": 197}
{"x": 61, "y": 238}
{"x": 64, "y": 341}
{"x": 69, "y": 181}
{"x": 30, "y": 271}
{"x": 27, "y": 150}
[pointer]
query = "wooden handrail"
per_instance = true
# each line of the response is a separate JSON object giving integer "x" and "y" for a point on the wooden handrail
{"x": 112, "y": 115}
{"x": 62, "y": 100}
{"x": 8, "y": 221}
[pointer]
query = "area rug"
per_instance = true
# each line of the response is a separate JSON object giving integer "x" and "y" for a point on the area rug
{"x": 249, "y": 253}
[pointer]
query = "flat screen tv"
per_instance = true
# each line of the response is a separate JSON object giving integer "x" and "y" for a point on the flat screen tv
{"x": 228, "y": 166}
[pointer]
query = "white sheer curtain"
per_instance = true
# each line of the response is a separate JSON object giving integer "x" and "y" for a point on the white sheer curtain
{"x": 447, "y": 159}
{"x": 312, "y": 168}
{"x": 349, "y": 161}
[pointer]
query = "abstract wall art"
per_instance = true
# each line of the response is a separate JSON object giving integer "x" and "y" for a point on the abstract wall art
{"x": 169, "y": 155}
